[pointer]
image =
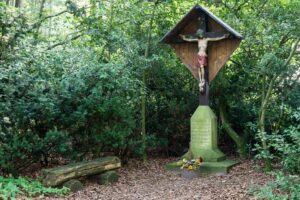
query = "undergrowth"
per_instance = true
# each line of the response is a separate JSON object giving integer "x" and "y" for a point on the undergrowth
{"x": 11, "y": 188}
{"x": 284, "y": 187}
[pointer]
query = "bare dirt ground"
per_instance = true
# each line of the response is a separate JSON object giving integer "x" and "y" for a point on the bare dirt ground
{"x": 149, "y": 180}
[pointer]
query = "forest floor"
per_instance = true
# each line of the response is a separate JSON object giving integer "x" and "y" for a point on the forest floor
{"x": 149, "y": 180}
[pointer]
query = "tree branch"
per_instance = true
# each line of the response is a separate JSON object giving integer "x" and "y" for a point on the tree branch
{"x": 64, "y": 42}
{"x": 292, "y": 52}
{"x": 284, "y": 39}
{"x": 35, "y": 25}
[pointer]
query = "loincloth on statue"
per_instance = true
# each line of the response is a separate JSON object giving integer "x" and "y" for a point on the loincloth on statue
{"x": 201, "y": 60}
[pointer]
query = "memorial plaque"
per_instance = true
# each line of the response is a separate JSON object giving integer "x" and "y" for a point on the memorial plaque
{"x": 203, "y": 141}
{"x": 200, "y": 134}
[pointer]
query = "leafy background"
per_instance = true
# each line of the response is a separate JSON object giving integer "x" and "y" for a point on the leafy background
{"x": 82, "y": 79}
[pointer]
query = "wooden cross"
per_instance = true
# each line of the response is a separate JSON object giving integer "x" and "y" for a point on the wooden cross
{"x": 219, "y": 52}
{"x": 202, "y": 38}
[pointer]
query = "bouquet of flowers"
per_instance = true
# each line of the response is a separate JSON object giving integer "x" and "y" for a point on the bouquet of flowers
{"x": 192, "y": 164}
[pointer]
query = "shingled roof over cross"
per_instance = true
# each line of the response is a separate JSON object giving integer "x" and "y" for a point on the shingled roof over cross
{"x": 196, "y": 12}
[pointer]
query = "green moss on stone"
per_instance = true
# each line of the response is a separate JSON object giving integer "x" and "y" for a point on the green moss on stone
{"x": 204, "y": 144}
{"x": 74, "y": 185}
{"x": 108, "y": 177}
{"x": 204, "y": 141}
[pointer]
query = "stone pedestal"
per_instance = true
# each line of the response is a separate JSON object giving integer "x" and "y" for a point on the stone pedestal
{"x": 204, "y": 138}
{"x": 204, "y": 144}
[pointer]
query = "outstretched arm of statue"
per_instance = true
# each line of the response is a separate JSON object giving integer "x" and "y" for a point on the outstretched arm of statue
{"x": 218, "y": 38}
{"x": 188, "y": 39}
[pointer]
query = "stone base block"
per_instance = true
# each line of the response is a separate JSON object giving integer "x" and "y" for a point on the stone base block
{"x": 107, "y": 178}
{"x": 74, "y": 185}
{"x": 211, "y": 168}
{"x": 210, "y": 155}
{"x": 204, "y": 140}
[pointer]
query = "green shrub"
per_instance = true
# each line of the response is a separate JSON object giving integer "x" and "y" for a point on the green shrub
{"x": 284, "y": 146}
{"x": 284, "y": 187}
{"x": 290, "y": 150}
{"x": 18, "y": 151}
{"x": 290, "y": 145}
{"x": 51, "y": 103}
{"x": 10, "y": 188}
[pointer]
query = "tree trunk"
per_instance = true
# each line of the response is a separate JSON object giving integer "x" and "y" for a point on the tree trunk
{"x": 266, "y": 94}
{"x": 241, "y": 148}
{"x": 262, "y": 117}
{"x": 110, "y": 28}
{"x": 144, "y": 142}
{"x": 36, "y": 33}
{"x": 59, "y": 175}
{"x": 143, "y": 101}
{"x": 18, "y": 3}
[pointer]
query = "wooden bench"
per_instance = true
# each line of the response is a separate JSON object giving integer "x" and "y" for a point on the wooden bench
{"x": 59, "y": 175}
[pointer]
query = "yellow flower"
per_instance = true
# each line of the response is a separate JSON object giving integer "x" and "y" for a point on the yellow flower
{"x": 190, "y": 167}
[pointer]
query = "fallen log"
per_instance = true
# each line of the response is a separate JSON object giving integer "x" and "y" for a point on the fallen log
{"x": 58, "y": 175}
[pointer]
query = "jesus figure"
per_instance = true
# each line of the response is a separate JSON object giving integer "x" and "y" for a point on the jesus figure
{"x": 201, "y": 55}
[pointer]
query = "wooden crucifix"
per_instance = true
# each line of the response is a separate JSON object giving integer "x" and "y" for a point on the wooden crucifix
{"x": 202, "y": 65}
{"x": 204, "y": 43}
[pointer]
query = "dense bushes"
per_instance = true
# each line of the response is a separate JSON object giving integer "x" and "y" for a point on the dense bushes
{"x": 52, "y": 104}
{"x": 67, "y": 103}
{"x": 285, "y": 149}
{"x": 83, "y": 98}
{"x": 78, "y": 98}
{"x": 285, "y": 146}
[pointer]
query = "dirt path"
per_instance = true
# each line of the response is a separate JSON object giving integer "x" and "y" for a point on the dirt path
{"x": 151, "y": 181}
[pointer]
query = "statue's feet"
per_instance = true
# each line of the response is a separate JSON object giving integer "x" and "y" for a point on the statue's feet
{"x": 201, "y": 86}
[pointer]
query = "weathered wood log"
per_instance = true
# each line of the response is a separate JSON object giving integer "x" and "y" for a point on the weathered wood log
{"x": 59, "y": 175}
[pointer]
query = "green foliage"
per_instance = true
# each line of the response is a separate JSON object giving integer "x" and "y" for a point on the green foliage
{"x": 11, "y": 188}
{"x": 26, "y": 148}
{"x": 284, "y": 187}
{"x": 90, "y": 107}
{"x": 262, "y": 78}
{"x": 71, "y": 80}
{"x": 286, "y": 146}
{"x": 290, "y": 147}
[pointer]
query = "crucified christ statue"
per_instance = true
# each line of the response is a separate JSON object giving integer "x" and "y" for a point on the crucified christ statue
{"x": 202, "y": 56}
